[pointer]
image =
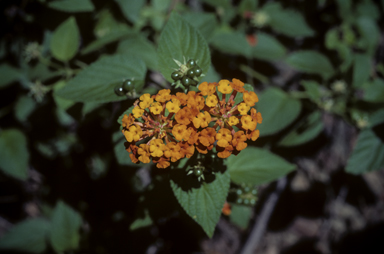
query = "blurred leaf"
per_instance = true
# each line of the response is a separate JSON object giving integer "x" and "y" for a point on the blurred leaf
{"x": 72, "y": 5}
{"x": 142, "y": 48}
{"x": 346, "y": 54}
{"x": 121, "y": 154}
{"x": 131, "y": 9}
{"x": 374, "y": 91}
{"x": 232, "y": 43}
{"x": 368, "y": 9}
{"x": 65, "y": 40}
{"x": 332, "y": 40}
{"x": 96, "y": 83}
{"x": 63, "y": 117}
{"x": 210, "y": 76}
{"x": 219, "y": 3}
{"x": 141, "y": 222}
{"x": 206, "y": 23}
{"x": 278, "y": 110}
{"x": 376, "y": 118}
{"x": 14, "y": 154}
{"x": 257, "y": 166}
{"x": 240, "y": 215}
{"x": 161, "y": 5}
{"x": 268, "y": 48}
{"x": 285, "y": 21}
{"x": 312, "y": 88}
{"x": 247, "y": 5}
{"x": 361, "y": 69}
{"x": 305, "y": 131}
{"x": 28, "y": 236}
{"x": 370, "y": 33}
{"x": 60, "y": 102}
{"x": 66, "y": 224}
{"x": 8, "y": 75}
{"x": 106, "y": 39}
{"x": 106, "y": 23}
{"x": 368, "y": 154}
{"x": 311, "y": 62}
{"x": 178, "y": 40}
{"x": 345, "y": 8}
{"x": 25, "y": 105}
{"x": 205, "y": 202}
{"x": 88, "y": 107}
{"x": 41, "y": 72}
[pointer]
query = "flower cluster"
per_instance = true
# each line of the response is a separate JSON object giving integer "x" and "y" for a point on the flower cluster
{"x": 173, "y": 126}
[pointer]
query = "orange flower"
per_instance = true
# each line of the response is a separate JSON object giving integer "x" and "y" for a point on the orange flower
{"x": 207, "y": 89}
{"x": 223, "y": 137}
{"x": 180, "y": 132}
{"x": 250, "y": 98}
{"x": 202, "y": 120}
{"x": 211, "y": 100}
{"x": 156, "y": 147}
{"x": 163, "y": 95}
{"x": 248, "y": 123}
{"x": 224, "y": 87}
{"x": 184, "y": 116}
{"x": 239, "y": 140}
{"x": 224, "y": 152}
{"x": 144, "y": 153}
{"x": 226, "y": 209}
{"x": 207, "y": 136}
{"x": 237, "y": 85}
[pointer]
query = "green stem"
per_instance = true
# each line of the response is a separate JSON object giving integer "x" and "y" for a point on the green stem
{"x": 251, "y": 72}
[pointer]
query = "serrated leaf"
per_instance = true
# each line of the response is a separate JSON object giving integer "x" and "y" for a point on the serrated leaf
{"x": 311, "y": 62}
{"x": 25, "y": 105}
{"x": 268, "y": 48}
{"x": 206, "y": 23}
{"x": 361, "y": 69}
{"x": 28, "y": 236}
{"x": 8, "y": 75}
{"x": 142, "y": 48}
{"x": 66, "y": 224}
{"x": 240, "y": 215}
{"x": 286, "y": 21}
{"x": 257, "y": 166}
{"x": 232, "y": 43}
{"x": 96, "y": 83}
{"x": 65, "y": 40}
{"x": 278, "y": 110}
{"x": 121, "y": 154}
{"x": 368, "y": 154}
{"x": 305, "y": 131}
{"x": 14, "y": 155}
{"x": 312, "y": 88}
{"x": 110, "y": 37}
{"x": 72, "y": 5}
{"x": 203, "y": 203}
{"x": 178, "y": 40}
{"x": 131, "y": 9}
{"x": 374, "y": 91}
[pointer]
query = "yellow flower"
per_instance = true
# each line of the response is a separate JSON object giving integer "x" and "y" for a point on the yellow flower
{"x": 163, "y": 95}
{"x": 223, "y": 137}
{"x": 173, "y": 107}
{"x": 248, "y": 123}
{"x": 250, "y": 98}
{"x": 211, "y": 100}
{"x": 225, "y": 87}
{"x": 156, "y": 147}
{"x": 233, "y": 120}
{"x": 146, "y": 100}
{"x": 137, "y": 112}
{"x": 202, "y": 120}
{"x": 180, "y": 132}
{"x": 156, "y": 108}
{"x": 243, "y": 108}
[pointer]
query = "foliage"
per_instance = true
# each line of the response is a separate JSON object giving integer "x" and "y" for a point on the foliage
{"x": 74, "y": 71}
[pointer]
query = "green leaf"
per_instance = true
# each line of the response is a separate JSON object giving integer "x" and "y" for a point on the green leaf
{"x": 106, "y": 39}
{"x": 311, "y": 62}
{"x": 121, "y": 154}
{"x": 210, "y": 76}
{"x": 131, "y": 9}
{"x": 374, "y": 91}
{"x": 247, "y": 5}
{"x": 141, "y": 222}
{"x": 28, "y": 236}
{"x": 240, "y": 215}
{"x": 203, "y": 203}
{"x": 288, "y": 22}
{"x": 312, "y": 88}
{"x": 232, "y": 43}
{"x": 361, "y": 69}
{"x": 89, "y": 107}
{"x": 376, "y": 118}
{"x": 268, "y": 48}
{"x": 8, "y": 75}
{"x": 332, "y": 40}
{"x": 368, "y": 9}
{"x": 141, "y": 47}
{"x": 66, "y": 224}
{"x": 368, "y": 154}
{"x": 257, "y": 166}
{"x": 178, "y": 40}
{"x": 96, "y": 83}
{"x": 278, "y": 110}
{"x": 65, "y": 40}
{"x": 239, "y": 96}
{"x": 370, "y": 32}
{"x": 14, "y": 154}
{"x": 305, "y": 131}
{"x": 72, "y": 5}
{"x": 206, "y": 23}
{"x": 25, "y": 105}
{"x": 60, "y": 102}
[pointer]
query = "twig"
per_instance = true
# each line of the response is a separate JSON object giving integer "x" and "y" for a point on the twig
{"x": 262, "y": 221}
